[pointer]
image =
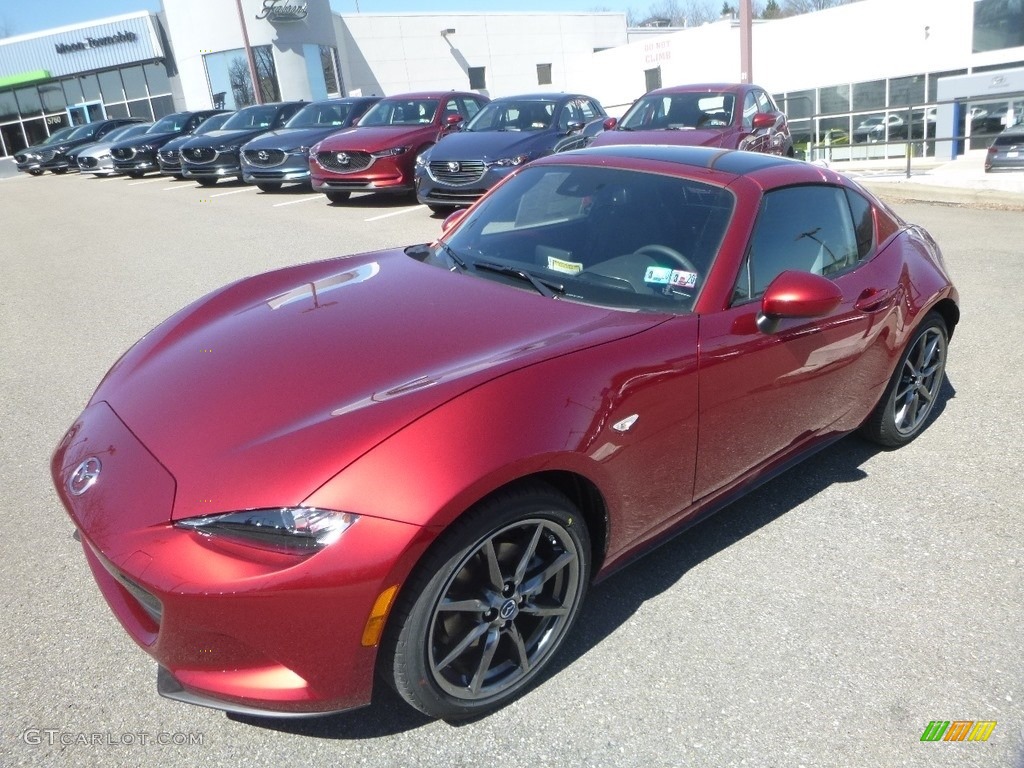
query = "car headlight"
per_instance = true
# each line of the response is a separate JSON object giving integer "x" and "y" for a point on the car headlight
{"x": 226, "y": 148}
{"x": 292, "y": 529}
{"x": 511, "y": 162}
{"x": 145, "y": 148}
{"x": 422, "y": 159}
{"x": 390, "y": 152}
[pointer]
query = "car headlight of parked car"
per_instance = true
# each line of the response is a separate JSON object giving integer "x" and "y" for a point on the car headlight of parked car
{"x": 511, "y": 162}
{"x": 389, "y": 152}
{"x": 293, "y": 529}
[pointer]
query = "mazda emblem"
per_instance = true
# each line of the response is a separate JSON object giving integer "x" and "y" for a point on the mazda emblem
{"x": 453, "y": 166}
{"x": 85, "y": 476}
{"x": 263, "y": 155}
{"x": 343, "y": 158}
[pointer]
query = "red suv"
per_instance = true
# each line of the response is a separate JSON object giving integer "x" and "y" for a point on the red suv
{"x": 732, "y": 116}
{"x": 379, "y": 153}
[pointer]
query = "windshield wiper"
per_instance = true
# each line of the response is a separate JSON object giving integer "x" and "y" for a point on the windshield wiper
{"x": 453, "y": 257}
{"x": 543, "y": 286}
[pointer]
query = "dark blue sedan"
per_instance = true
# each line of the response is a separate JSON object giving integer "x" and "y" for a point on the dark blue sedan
{"x": 504, "y": 135}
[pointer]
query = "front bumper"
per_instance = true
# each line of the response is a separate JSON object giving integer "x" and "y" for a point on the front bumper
{"x": 210, "y": 171}
{"x": 430, "y": 190}
{"x": 141, "y": 162}
{"x": 232, "y": 626}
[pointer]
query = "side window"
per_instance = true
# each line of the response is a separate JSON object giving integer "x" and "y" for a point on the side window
{"x": 807, "y": 228}
{"x": 451, "y": 107}
{"x": 863, "y": 224}
{"x": 570, "y": 114}
{"x": 589, "y": 113}
{"x": 764, "y": 104}
{"x": 749, "y": 110}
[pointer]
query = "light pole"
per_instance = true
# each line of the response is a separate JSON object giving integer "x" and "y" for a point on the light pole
{"x": 746, "y": 46}
{"x": 257, "y": 91}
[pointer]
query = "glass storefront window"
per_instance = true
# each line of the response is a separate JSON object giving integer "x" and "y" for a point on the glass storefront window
{"x": 35, "y": 131}
{"x": 799, "y": 104}
{"x": 52, "y": 96}
{"x": 329, "y": 64}
{"x": 315, "y": 72}
{"x": 28, "y": 101}
{"x": 266, "y": 72}
{"x": 110, "y": 85}
{"x": 8, "y": 106}
{"x": 156, "y": 76}
{"x": 998, "y": 24}
{"x": 90, "y": 88}
{"x": 117, "y": 110}
{"x": 905, "y": 91}
{"x": 134, "y": 83}
{"x": 73, "y": 91}
{"x": 835, "y": 99}
{"x": 140, "y": 108}
{"x": 933, "y": 81}
{"x": 228, "y": 75}
{"x": 869, "y": 95}
{"x": 162, "y": 106}
{"x": 13, "y": 138}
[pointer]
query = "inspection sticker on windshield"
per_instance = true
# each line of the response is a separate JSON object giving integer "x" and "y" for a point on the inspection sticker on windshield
{"x": 658, "y": 275}
{"x": 561, "y": 265}
{"x": 683, "y": 279}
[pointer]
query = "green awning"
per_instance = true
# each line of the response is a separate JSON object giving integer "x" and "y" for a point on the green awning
{"x": 25, "y": 78}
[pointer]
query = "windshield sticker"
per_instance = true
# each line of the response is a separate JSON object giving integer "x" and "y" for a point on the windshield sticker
{"x": 566, "y": 267}
{"x": 683, "y": 279}
{"x": 658, "y": 275}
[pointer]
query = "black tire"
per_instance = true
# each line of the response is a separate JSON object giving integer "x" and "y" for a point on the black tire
{"x": 338, "y": 197}
{"x": 513, "y": 572}
{"x": 442, "y": 210}
{"x": 207, "y": 182}
{"x": 60, "y": 171}
{"x": 36, "y": 172}
{"x": 268, "y": 187}
{"x": 136, "y": 174}
{"x": 908, "y": 400}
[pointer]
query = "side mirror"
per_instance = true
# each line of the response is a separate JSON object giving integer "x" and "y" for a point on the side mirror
{"x": 765, "y": 120}
{"x": 452, "y": 221}
{"x": 609, "y": 123}
{"x": 451, "y": 121}
{"x": 795, "y": 294}
{"x": 575, "y": 126}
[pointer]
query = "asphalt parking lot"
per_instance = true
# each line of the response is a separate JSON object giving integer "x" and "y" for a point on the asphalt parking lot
{"x": 825, "y": 620}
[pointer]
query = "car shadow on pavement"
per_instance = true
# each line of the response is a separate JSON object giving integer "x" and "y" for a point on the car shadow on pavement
{"x": 613, "y": 602}
{"x": 376, "y": 200}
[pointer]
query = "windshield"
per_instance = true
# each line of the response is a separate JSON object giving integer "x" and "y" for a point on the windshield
{"x": 251, "y": 117}
{"x": 126, "y": 132}
{"x": 626, "y": 239}
{"x": 171, "y": 123}
{"x": 86, "y": 131}
{"x": 680, "y": 111}
{"x": 63, "y": 133}
{"x": 212, "y": 123}
{"x": 401, "y": 112}
{"x": 319, "y": 116}
{"x": 514, "y": 115}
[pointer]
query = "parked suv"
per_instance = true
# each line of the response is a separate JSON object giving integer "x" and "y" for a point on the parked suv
{"x": 728, "y": 115}
{"x": 504, "y": 135}
{"x": 30, "y": 159}
{"x": 137, "y": 156}
{"x": 282, "y": 156}
{"x": 214, "y": 156}
{"x": 95, "y": 158}
{"x": 378, "y": 155}
{"x": 168, "y": 157}
{"x": 54, "y": 155}
{"x": 1006, "y": 150}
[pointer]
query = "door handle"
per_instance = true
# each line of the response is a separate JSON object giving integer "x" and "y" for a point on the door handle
{"x": 874, "y": 299}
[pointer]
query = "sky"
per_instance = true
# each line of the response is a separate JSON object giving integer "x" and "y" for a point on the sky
{"x": 21, "y": 17}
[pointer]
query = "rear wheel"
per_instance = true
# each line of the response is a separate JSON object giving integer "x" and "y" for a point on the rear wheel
{"x": 490, "y": 604}
{"x": 910, "y": 397}
{"x": 337, "y": 197}
{"x": 268, "y": 187}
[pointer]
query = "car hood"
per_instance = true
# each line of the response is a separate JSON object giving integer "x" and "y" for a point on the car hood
{"x": 687, "y": 137}
{"x": 376, "y": 139}
{"x": 219, "y": 137}
{"x": 94, "y": 150}
{"x": 289, "y": 139}
{"x": 490, "y": 145}
{"x": 259, "y": 393}
{"x": 148, "y": 138}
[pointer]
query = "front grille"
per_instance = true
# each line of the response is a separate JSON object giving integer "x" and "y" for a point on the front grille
{"x": 87, "y": 162}
{"x": 264, "y": 158}
{"x": 345, "y": 162}
{"x": 456, "y": 172}
{"x": 199, "y": 154}
{"x": 47, "y": 155}
{"x": 123, "y": 153}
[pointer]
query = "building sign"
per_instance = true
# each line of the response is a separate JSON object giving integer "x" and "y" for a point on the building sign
{"x": 96, "y": 42}
{"x": 283, "y": 10}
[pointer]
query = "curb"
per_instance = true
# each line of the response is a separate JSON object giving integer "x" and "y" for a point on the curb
{"x": 923, "y": 193}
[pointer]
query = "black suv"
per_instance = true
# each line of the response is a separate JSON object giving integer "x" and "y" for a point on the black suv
{"x": 54, "y": 155}
{"x": 215, "y": 155}
{"x": 30, "y": 159}
{"x": 137, "y": 156}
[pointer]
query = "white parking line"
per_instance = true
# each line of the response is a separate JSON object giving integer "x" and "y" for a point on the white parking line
{"x": 144, "y": 181}
{"x": 234, "y": 192}
{"x": 178, "y": 186}
{"x": 307, "y": 199}
{"x": 396, "y": 213}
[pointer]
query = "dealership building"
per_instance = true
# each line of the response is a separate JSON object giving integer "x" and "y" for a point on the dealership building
{"x": 927, "y": 69}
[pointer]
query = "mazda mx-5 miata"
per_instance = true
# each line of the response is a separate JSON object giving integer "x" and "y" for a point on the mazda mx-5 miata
{"x": 415, "y": 462}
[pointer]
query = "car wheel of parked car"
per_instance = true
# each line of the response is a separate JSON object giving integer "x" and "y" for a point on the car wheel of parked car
{"x": 444, "y": 210}
{"x": 60, "y": 171}
{"x": 36, "y": 172}
{"x": 490, "y": 604}
{"x": 911, "y": 394}
{"x": 207, "y": 182}
{"x": 268, "y": 187}
{"x": 135, "y": 174}
{"x": 337, "y": 197}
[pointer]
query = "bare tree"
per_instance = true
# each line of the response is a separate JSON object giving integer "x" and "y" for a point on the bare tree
{"x": 797, "y": 7}
{"x": 241, "y": 82}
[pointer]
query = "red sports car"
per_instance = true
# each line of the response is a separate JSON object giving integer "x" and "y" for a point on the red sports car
{"x": 414, "y": 462}
{"x": 379, "y": 154}
{"x": 728, "y": 115}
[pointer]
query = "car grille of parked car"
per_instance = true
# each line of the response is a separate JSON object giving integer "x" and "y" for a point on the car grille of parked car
{"x": 87, "y": 162}
{"x": 169, "y": 155}
{"x": 265, "y": 158}
{"x": 344, "y": 162}
{"x": 457, "y": 172}
{"x": 47, "y": 154}
{"x": 124, "y": 153}
{"x": 199, "y": 154}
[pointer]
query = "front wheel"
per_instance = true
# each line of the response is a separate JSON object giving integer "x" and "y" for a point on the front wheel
{"x": 490, "y": 604}
{"x": 207, "y": 182}
{"x": 135, "y": 174}
{"x": 268, "y": 187}
{"x": 337, "y": 197}
{"x": 910, "y": 397}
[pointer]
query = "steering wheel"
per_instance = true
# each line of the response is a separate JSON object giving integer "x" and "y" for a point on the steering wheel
{"x": 664, "y": 250}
